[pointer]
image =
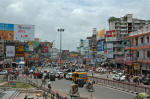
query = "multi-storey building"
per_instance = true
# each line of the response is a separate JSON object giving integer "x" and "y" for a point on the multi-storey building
{"x": 123, "y": 27}
{"x": 138, "y": 51}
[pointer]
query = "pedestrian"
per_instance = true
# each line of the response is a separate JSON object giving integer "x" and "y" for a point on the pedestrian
{"x": 49, "y": 86}
{"x": 107, "y": 76}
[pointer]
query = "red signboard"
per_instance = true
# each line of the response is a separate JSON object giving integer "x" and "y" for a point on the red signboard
{"x": 45, "y": 49}
{"x": 111, "y": 35}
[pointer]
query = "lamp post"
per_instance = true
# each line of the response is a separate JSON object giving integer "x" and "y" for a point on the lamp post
{"x": 60, "y": 30}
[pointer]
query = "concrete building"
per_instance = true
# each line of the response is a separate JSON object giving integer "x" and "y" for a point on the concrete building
{"x": 123, "y": 27}
{"x": 138, "y": 51}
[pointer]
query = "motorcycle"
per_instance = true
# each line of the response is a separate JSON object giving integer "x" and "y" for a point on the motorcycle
{"x": 90, "y": 87}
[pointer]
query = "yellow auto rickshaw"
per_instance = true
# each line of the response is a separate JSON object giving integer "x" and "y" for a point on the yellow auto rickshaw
{"x": 76, "y": 76}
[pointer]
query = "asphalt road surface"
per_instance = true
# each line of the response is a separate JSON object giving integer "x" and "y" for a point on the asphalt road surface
{"x": 100, "y": 91}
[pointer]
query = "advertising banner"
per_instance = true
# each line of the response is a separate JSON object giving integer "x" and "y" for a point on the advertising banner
{"x": 81, "y": 43}
{"x": 111, "y": 35}
{"x": 100, "y": 47}
{"x": 45, "y": 49}
{"x": 100, "y": 34}
{"x": 30, "y": 47}
{"x": 1, "y": 50}
{"x": 23, "y": 32}
{"x": 10, "y": 51}
{"x": 109, "y": 50}
{"x": 19, "y": 50}
{"x": 6, "y": 31}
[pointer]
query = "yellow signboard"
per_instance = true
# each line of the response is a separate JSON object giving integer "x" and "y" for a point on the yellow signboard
{"x": 19, "y": 50}
{"x": 30, "y": 43}
{"x": 100, "y": 34}
{"x": 6, "y": 35}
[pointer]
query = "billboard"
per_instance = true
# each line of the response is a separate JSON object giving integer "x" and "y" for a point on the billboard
{"x": 23, "y": 32}
{"x": 100, "y": 47}
{"x": 19, "y": 50}
{"x": 109, "y": 50}
{"x": 100, "y": 34}
{"x": 6, "y": 31}
{"x": 10, "y": 51}
{"x": 45, "y": 49}
{"x": 111, "y": 35}
{"x": 81, "y": 43}
{"x": 1, "y": 50}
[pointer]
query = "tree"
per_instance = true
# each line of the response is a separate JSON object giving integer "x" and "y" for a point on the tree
{"x": 111, "y": 19}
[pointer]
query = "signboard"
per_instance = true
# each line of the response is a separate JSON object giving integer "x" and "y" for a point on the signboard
{"x": 6, "y": 31}
{"x": 82, "y": 43}
{"x": 45, "y": 49}
{"x": 100, "y": 47}
{"x": 109, "y": 50}
{"x": 136, "y": 66}
{"x": 100, "y": 34}
{"x": 19, "y": 50}
{"x": 23, "y": 32}
{"x": 10, "y": 51}
{"x": 1, "y": 50}
{"x": 111, "y": 35}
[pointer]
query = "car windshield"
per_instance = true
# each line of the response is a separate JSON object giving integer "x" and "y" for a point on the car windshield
{"x": 83, "y": 75}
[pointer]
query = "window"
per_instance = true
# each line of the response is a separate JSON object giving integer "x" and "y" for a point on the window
{"x": 141, "y": 40}
{"x": 137, "y": 54}
{"x": 147, "y": 39}
{"x": 148, "y": 53}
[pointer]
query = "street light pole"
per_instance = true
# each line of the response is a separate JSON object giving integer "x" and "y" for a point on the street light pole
{"x": 60, "y": 30}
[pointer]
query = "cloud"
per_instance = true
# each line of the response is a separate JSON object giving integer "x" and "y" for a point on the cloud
{"x": 77, "y": 17}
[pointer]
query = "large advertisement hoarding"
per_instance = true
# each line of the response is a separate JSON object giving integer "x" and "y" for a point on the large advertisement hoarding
{"x": 111, "y": 35}
{"x": 100, "y": 34}
{"x": 100, "y": 47}
{"x": 10, "y": 51}
{"x": 110, "y": 50}
{"x": 20, "y": 51}
{"x": 23, "y": 32}
{"x": 6, "y": 31}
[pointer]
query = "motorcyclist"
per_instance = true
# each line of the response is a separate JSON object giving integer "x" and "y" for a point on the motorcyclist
{"x": 89, "y": 84}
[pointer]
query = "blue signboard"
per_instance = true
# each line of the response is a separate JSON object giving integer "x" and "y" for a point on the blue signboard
{"x": 6, "y": 27}
{"x": 100, "y": 46}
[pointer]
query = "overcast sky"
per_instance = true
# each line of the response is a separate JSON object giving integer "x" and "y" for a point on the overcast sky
{"x": 77, "y": 17}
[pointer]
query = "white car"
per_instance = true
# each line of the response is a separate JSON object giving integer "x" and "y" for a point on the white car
{"x": 122, "y": 78}
{"x": 69, "y": 76}
{"x": 61, "y": 74}
{"x": 3, "y": 72}
{"x": 116, "y": 77}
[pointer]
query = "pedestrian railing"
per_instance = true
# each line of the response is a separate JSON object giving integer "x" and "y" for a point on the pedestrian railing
{"x": 125, "y": 86}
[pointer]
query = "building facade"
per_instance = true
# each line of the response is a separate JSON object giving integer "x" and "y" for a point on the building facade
{"x": 123, "y": 27}
{"x": 138, "y": 51}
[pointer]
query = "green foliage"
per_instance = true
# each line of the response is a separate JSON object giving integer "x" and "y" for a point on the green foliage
{"x": 17, "y": 85}
{"x": 111, "y": 19}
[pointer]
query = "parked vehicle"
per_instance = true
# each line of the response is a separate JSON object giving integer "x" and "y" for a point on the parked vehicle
{"x": 146, "y": 81}
{"x": 59, "y": 75}
{"x": 116, "y": 77}
{"x": 122, "y": 78}
{"x": 69, "y": 76}
{"x": 3, "y": 72}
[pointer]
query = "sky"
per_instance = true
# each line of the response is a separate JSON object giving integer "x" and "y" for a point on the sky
{"x": 77, "y": 17}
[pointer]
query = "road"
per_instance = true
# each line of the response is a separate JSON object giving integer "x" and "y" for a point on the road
{"x": 100, "y": 93}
